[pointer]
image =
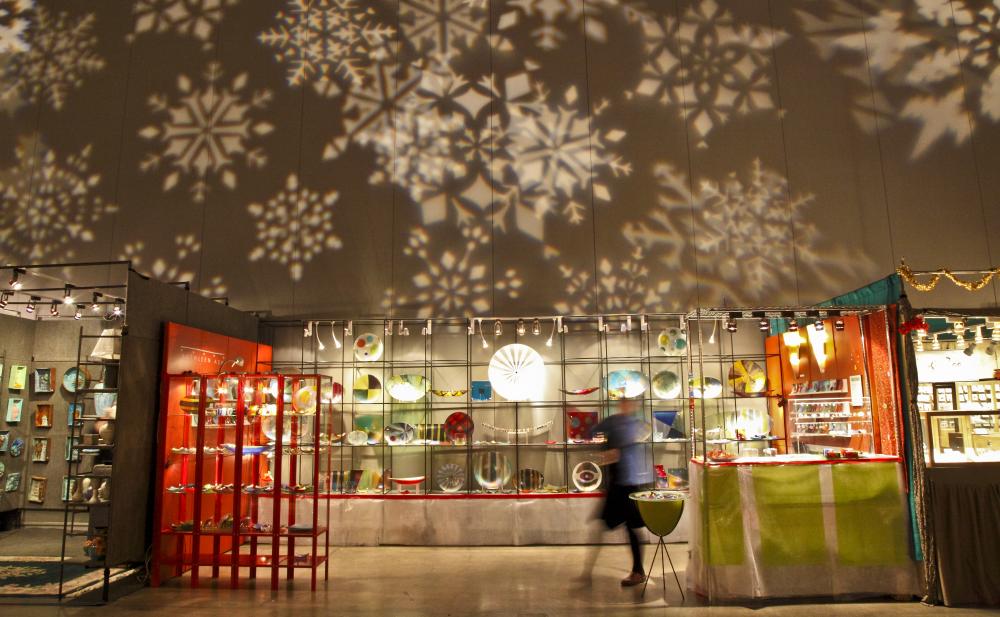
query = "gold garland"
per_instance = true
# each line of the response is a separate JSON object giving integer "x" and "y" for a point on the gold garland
{"x": 907, "y": 275}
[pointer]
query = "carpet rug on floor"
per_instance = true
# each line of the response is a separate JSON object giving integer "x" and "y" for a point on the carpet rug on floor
{"x": 39, "y": 576}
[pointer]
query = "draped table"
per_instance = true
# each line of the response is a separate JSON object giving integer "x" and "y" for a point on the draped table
{"x": 799, "y": 526}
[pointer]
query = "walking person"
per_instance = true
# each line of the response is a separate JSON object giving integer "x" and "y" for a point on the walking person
{"x": 627, "y": 473}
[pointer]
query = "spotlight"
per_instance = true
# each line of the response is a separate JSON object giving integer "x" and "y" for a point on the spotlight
{"x": 731, "y": 324}
{"x": 428, "y": 329}
{"x": 520, "y": 327}
{"x": 68, "y": 294}
{"x": 762, "y": 324}
{"x": 333, "y": 333}
{"x": 119, "y": 307}
{"x": 387, "y": 329}
{"x": 78, "y": 315}
{"x": 548, "y": 343}
{"x": 30, "y": 308}
{"x": 319, "y": 340}
{"x": 307, "y": 330}
{"x": 349, "y": 328}
{"x": 3, "y": 300}
{"x": 497, "y": 328}
{"x": 793, "y": 326}
{"x": 838, "y": 325}
{"x": 536, "y": 327}
{"x": 95, "y": 305}
{"x": 54, "y": 309}
{"x": 15, "y": 279}
{"x": 819, "y": 326}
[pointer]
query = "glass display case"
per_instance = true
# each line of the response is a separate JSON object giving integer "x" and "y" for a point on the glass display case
{"x": 242, "y": 460}
{"x": 961, "y": 421}
{"x": 491, "y": 407}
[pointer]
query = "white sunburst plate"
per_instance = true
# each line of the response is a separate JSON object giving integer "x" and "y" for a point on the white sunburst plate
{"x": 517, "y": 373}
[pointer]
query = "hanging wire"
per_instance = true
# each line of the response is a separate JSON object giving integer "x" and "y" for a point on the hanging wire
{"x": 878, "y": 142}
{"x": 972, "y": 146}
{"x": 784, "y": 150}
{"x": 590, "y": 153}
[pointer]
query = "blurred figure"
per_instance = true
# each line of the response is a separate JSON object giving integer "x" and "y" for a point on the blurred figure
{"x": 627, "y": 474}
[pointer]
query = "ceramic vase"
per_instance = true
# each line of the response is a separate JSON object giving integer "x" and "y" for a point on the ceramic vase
{"x": 104, "y": 492}
{"x": 87, "y": 491}
{"x": 106, "y": 431}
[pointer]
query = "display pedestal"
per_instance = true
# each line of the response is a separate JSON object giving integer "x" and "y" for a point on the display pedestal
{"x": 773, "y": 530}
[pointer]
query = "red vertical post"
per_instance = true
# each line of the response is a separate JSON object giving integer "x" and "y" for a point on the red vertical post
{"x": 276, "y": 484}
{"x": 234, "y": 575}
{"x": 198, "y": 472}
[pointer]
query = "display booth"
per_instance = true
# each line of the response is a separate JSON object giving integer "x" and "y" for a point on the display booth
{"x": 957, "y": 372}
{"x": 79, "y": 368}
{"x": 797, "y": 484}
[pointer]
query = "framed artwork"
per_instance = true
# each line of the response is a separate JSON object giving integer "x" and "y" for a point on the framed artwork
{"x": 13, "y": 482}
{"x": 44, "y": 378}
{"x": 40, "y": 450}
{"x": 75, "y": 414}
{"x": 4, "y": 440}
{"x": 18, "y": 377}
{"x": 482, "y": 391}
{"x": 36, "y": 489}
{"x": 43, "y": 415}
{"x": 14, "y": 407}
{"x": 72, "y": 454}
{"x": 68, "y": 486}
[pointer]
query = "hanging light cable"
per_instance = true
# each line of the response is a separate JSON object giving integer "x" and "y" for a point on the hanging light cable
{"x": 333, "y": 333}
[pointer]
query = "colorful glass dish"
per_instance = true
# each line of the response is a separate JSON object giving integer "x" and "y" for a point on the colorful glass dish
{"x": 74, "y": 379}
{"x": 449, "y": 393}
{"x": 580, "y": 424}
{"x": 672, "y": 342}
{"x": 748, "y": 378}
{"x": 529, "y": 480}
{"x": 372, "y": 425}
{"x": 450, "y": 477}
{"x": 666, "y": 385}
{"x": 304, "y": 400}
{"x": 432, "y": 432}
{"x": 481, "y": 391}
{"x": 458, "y": 426}
{"x": 292, "y": 426}
{"x": 409, "y": 481}
{"x": 625, "y": 384}
{"x": 492, "y": 470}
{"x": 333, "y": 393}
{"x": 368, "y": 347}
{"x": 367, "y": 388}
{"x": 587, "y": 476}
{"x": 247, "y": 449}
{"x": 712, "y": 387}
{"x": 517, "y": 372}
{"x": 581, "y": 391}
{"x": 399, "y": 433}
{"x": 407, "y": 388}
{"x": 665, "y": 420}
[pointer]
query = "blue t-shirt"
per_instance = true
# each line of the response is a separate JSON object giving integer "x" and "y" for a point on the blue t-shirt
{"x": 622, "y": 433}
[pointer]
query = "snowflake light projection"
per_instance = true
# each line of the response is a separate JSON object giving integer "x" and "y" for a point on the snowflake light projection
{"x": 443, "y": 27}
{"x": 739, "y": 230}
{"x": 556, "y": 158}
{"x": 294, "y": 226}
{"x": 943, "y": 57}
{"x": 206, "y": 131}
{"x": 61, "y": 52}
{"x": 621, "y": 288}
{"x": 14, "y": 24}
{"x": 707, "y": 66}
{"x": 453, "y": 282}
{"x": 197, "y": 18}
{"x": 49, "y": 203}
{"x": 320, "y": 40}
{"x": 182, "y": 265}
{"x": 558, "y": 17}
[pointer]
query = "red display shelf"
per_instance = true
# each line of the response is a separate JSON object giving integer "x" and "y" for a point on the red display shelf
{"x": 254, "y": 407}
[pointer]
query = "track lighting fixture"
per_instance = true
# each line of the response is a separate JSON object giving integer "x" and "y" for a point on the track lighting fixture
{"x": 319, "y": 339}
{"x": 95, "y": 305}
{"x": 643, "y": 324}
{"x": 536, "y": 327}
{"x": 552, "y": 334}
{"x": 731, "y": 324}
{"x": 30, "y": 307}
{"x": 839, "y": 324}
{"x": 15, "y": 280}
{"x": 349, "y": 328}
{"x": 793, "y": 326}
{"x": 497, "y": 328}
{"x": 818, "y": 325}
{"x": 68, "y": 295}
{"x": 54, "y": 309}
{"x": 387, "y": 329}
{"x": 78, "y": 315}
{"x": 427, "y": 329}
{"x": 402, "y": 330}
{"x": 307, "y": 330}
{"x": 3, "y": 300}
{"x": 119, "y": 307}
{"x": 333, "y": 333}
{"x": 520, "y": 327}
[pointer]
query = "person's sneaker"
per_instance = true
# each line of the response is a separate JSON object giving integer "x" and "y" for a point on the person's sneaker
{"x": 633, "y": 579}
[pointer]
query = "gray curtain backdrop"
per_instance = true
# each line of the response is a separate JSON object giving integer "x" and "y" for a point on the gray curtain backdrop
{"x": 455, "y": 157}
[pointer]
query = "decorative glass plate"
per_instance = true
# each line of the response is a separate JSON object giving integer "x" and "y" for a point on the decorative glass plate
{"x": 587, "y": 476}
{"x": 407, "y": 388}
{"x": 492, "y": 470}
{"x": 748, "y": 378}
{"x": 625, "y": 384}
{"x": 458, "y": 426}
{"x": 449, "y": 393}
{"x": 74, "y": 379}
{"x": 450, "y": 477}
{"x": 357, "y": 438}
{"x": 304, "y": 400}
{"x": 666, "y": 385}
{"x": 367, "y": 388}
{"x": 368, "y": 347}
{"x": 581, "y": 391}
{"x": 672, "y": 342}
{"x": 580, "y": 424}
{"x": 399, "y": 433}
{"x": 517, "y": 372}
{"x": 530, "y": 480}
{"x": 713, "y": 387}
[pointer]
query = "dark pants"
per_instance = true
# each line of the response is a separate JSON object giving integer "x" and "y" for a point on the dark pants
{"x": 618, "y": 509}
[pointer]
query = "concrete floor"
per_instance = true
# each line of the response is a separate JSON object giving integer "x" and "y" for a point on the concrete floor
{"x": 524, "y": 581}
{"x": 32, "y": 541}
